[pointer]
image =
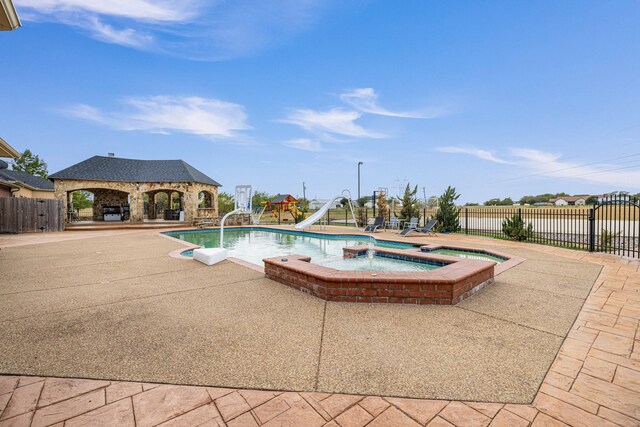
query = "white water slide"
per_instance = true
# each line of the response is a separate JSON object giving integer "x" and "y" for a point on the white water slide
{"x": 323, "y": 210}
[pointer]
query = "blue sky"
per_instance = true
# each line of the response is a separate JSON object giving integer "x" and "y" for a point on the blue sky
{"x": 496, "y": 98}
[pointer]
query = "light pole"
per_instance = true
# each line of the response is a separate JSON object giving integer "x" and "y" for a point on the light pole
{"x": 359, "y": 164}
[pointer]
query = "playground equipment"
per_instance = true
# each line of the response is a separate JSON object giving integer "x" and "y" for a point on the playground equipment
{"x": 281, "y": 204}
{"x": 346, "y": 194}
{"x": 212, "y": 256}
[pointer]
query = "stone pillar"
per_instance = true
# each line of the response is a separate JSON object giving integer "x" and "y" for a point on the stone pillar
{"x": 152, "y": 204}
{"x": 190, "y": 205}
{"x": 136, "y": 204}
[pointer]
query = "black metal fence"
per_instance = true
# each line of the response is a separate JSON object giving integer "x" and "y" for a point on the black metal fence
{"x": 610, "y": 226}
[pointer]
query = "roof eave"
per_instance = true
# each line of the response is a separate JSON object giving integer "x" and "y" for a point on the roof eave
{"x": 6, "y": 148}
{"x": 9, "y": 19}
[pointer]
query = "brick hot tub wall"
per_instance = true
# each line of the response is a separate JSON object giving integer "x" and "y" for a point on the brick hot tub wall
{"x": 456, "y": 280}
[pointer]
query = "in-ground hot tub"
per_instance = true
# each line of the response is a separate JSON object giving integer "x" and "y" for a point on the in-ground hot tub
{"x": 447, "y": 280}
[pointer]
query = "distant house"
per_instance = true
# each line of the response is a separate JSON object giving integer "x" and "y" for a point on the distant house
{"x": 316, "y": 204}
{"x": 569, "y": 201}
{"x": 20, "y": 184}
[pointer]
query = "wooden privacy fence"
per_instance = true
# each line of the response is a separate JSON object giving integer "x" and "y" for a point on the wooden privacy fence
{"x": 22, "y": 215}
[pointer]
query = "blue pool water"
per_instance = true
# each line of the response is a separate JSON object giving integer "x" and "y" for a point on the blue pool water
{"x": 468, "y": 254}
{"x": 254, "y": 244}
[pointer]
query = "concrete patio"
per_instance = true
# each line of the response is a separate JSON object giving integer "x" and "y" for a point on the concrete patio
{"x": 101, "y": 307}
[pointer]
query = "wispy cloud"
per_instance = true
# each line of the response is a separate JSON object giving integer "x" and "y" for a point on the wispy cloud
{"x": 197, "y": 29}
{"x": 542, "y": 163}
{"x": 537, "y": 163}
{"x": 303, "y": 144}
{"x": 476, "y": 152}
{"x": 366, "y": 101}
{"x": 336, "y": 121}
{"x": 168, "y": 114}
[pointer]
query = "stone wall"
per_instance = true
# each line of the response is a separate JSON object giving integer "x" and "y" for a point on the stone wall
{"x": 103, "y": 197}
{"x": 136, "y": 190}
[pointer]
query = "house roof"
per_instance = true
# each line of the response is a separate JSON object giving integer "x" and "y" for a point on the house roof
{"x": 26, "y": 179}
{"x": 569, "y": 198}
{"x": 8, "y": 151}
{"x": 283, "y": 198}
{"x": 8, "y": 17}
{"x": 101, "y": 168}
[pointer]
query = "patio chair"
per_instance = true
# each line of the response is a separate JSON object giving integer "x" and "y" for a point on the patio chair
{"x": 393, "y": 224}
{"x": 428, "y": 228}
{"x": 371, "y": 228}
{"x": 408, "y": 228}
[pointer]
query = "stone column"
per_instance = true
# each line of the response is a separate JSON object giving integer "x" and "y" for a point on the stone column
{"x": 190, "y": 207}
{"x": 136, "y": 204}
{"x": 152, "y": 204}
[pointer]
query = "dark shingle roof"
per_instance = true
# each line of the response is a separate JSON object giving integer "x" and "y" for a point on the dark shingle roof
{"x": 25, "y": 178}
{"x": 100, "y": 168}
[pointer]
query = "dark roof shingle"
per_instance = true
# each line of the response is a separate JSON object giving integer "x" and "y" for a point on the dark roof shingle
{"x": 26, "y": 178}
{"x": 100, "y": 168}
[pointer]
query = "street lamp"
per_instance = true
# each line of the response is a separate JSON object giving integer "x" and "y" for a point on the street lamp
{"x": 359, "y": 164}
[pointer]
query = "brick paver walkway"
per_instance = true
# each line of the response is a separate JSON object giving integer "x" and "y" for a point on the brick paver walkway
{"x": 594, "y": 381}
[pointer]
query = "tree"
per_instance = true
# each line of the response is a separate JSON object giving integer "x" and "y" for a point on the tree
{"x": 226, "y": 203}
{"x": 31, "y": 164}
{"x": 344, "y": 202}
{"x": 514, "y": 228}
{"x": 409, "y": 201}
{"x": 432, "y": 202}
{"x": 471, "y": 204}
{"x": 260, "y": 197}
{"x": 382, "y": 204}
{"x": 303, "y": 205}
{"x": 362, "y": 201}
{"x": 82, "y": 200}
{"x": 591, "y": 200}
{"x": 448, "y": 212}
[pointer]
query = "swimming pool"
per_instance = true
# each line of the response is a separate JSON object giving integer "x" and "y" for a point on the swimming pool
{"x": 467, "y": 254}
{"x": 376, "y": 263}
{"x": 255, "y": 243}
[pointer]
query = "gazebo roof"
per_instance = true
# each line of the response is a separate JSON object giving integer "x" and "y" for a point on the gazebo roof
{"x": 101, "y": 168}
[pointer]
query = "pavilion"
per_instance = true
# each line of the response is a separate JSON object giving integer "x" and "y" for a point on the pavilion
{"x": 130, "y": 186}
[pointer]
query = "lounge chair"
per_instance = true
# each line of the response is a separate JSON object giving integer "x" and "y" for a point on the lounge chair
{"x": 408, "y": 228}
{"x": 428, "y": 228}
{"x": 393, "y": 224}
{"x": 371, "y": 228}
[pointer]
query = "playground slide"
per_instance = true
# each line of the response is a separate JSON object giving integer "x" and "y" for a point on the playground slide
{"x": 318, "y": 215}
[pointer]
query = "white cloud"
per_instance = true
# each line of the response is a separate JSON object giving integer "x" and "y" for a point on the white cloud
{"x": 169, "y": 114}
{"x": 303, "y": 144}
{"x": 536, "y": 163}
{"x": 196, "y": 29}
{"x": 551, "y": 165}
{"x": 143, "y": 10}
{"x": 336, "y": 121}
{"x": 476, "y": 152}
{"x": 366, "y": 100}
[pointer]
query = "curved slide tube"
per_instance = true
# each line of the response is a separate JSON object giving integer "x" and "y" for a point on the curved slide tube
{"x": 320, "y": 213}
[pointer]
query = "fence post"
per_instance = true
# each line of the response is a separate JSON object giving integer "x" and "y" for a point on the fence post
{"x": 466, "y": 220}
{"x": 592, "y": 230}
{"x": 345, "y": 217}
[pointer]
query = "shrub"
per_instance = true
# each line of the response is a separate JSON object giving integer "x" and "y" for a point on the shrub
{"x": 515, "y": 228}
{"x": 448, "y": 212}
{"x": 410, "y": 208}
{"x": 606, "y": 239}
